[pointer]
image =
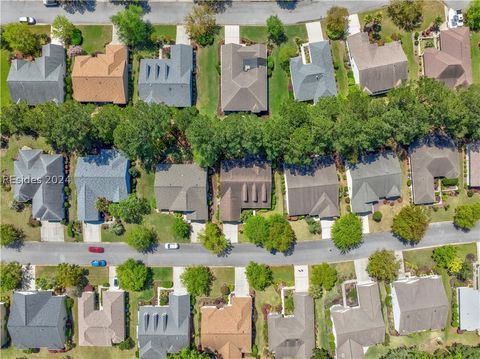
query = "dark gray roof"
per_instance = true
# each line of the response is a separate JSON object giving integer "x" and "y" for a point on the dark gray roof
{"x": 103, "y": 175}
{"x": 40, "y": 80}
{"x": 244, "y": 184}
{"x": 168, "y": 80}
{"x": 244, "y": 78}
{"x": 360, "y": 326}
{"x": 182, "y": 188}
{"x": 316, "y": 79}
{"x": 375, "y": 176}
{"x": 37, "y": 320}
{"x": 164, "y": 329}
{"x": 40, "y": 178}
{"x": 313, "y": 190}
{"x": 293, "y": 336}
{"x": 422, "y": 304}
{"x": 431, "y": 157}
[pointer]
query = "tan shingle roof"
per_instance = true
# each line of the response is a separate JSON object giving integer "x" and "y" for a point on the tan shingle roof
{"x": 228, "y": 330}
{"x": 102, "y": 78}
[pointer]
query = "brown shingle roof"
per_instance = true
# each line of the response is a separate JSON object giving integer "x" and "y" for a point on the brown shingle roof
{"x": 452, "y": 64}
{"x": 228, "y": 330}
{"x": 102, "y": 78}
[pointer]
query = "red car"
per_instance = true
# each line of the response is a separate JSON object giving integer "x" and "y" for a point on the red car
{"x": 96, "y": 249}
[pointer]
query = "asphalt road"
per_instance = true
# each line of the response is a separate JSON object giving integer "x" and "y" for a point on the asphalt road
{"x": 173, "y": 12}
{"x": 190, "y": 254}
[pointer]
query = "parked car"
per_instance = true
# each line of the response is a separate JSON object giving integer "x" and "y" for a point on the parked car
{"x": 96, "y": 249}
{"x": 27, "y": 20}
{"x": 172, "y": 246}
{"x": 50, "y": 2}
{"x": 99, "y": 263}
{"x": 115, "y": 282}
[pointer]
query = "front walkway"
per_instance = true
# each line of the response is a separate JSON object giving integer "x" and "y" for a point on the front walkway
{"x": 232, "y": 34}
{"x": 242, "y": 289}
{"x": 28, "y": 277}
{"x": 112, "y": 273}
{"x": 52, "y": 232}
{"x": 314, "y": 31}
{"x": 197, "y": 227}
{"x": 365, "y": 224}
{"x": 361, "y": 270}
{"x": 231, "y": 232}
{"x": 92, "y": 233}
{"x": 301, "y": 278}
{"x": 115, "y": 38}
{"x": 354, "y": 24}
{"x": 326, "y": 225}
{"x": 182, "y": 36}
{"x": 178, "y": 287}
{"x": 401, "y": 271}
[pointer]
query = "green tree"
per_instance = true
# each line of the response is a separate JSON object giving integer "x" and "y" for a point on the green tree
{"x": 200, "y": 25}
{"x": 467, "y": 216}
{"x": 131, "y": 29}
{"x": 406, "y": 14}
{"x": 383, "y": 266}
{"x": 20, "y": 38}
{"x": 320, "y": 353}
{"x": 10, "y": 235}
{"x": 257, "y": 230}
{"x": 259, "y": 276}
{"x": 336, "y": 22}
{"x": 281, "y": 236}
{"x": 141, "y": 238}
{"x": 213, "y": 239}
{"x": 62, "y": 28}
{"x": 445, "y": 257}
{"x": 180, "y": 229}
{"x": 70, "y": 275}
{"x": 410, "y": 224}
{"x": 132, "y": 275}
{"x": 275, "y": 29}
{"x": 323, "y": 276}
{"x": 187, "y": 353}
{"x": 130, "y": 209}
{"x": 285, "y": 53}
{"x": 197, "y": 280}
{"x": 10, "y": 276}
{"x": 347, "y": 232}
{"x": 105, "y": 120}
{"x": 473, "y": 15}
{"x": 201, "y": 134}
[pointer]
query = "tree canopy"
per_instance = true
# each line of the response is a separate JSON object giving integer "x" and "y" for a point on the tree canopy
{"x": 62, "y": 28}
{"x": 10, "y": 235}
{"x": 10, "y": 276}
{"x": 131, "y": 29}
{"x": 200, "y": 25}
{"x": 383, "y": 266}
{"x": 259, "y": 276}
{"x": 197, "y": 280}
{"x": 19, "y": 38}
{"x": 131, "y": 209}
{"x": 180, "y": 229}
{"x": 323, "y": 276}
{"x": 141, "y": 238}
{"x": 347, "y": 232}
{"x": 410, "y": 224}
{"x": 70, "y": 275}
{"x": 275, "y": 29}
{"x": 132, "y": 275}
{"x": 337, "y": 22}
{"x": 467, "y": 216}
{"x": 406, "y": 14}
{"x": 257, "y": 229}
{"x": 446, "y": 257}
{"x": 472, "y": 16}
{"x": 213, "y": 239}
{"x": 187, "y": 353}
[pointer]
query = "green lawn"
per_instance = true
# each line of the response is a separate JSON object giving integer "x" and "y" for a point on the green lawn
{"x": 475, "y": 47}
{"x": 4, "y": 68}
{"x": 338, "y": 53}
{"x": 221, "y": 275}
{"x": 345, "y": 270}
{"x": 269, "y": 296}
{"x": 162, "y": 274}
{"x": 145, "y": 186}
{"x": 40, "y": 29}
{"x": 95, "y": 37}
{"x": 254, "y": 33}
{"x": 95, "y": 275}
{"x": 302, "y": 233}
{"x": 208, "y": 76}
{"x": 283, "y": 274}
{"x": 279, "y": 197}
{"x": 169, "y": 31}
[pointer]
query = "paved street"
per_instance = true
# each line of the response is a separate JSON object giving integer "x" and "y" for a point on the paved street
{"x": 173, "y": 12}
{"x": 305, "y": 252}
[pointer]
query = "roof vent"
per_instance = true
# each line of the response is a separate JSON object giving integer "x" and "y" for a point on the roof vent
{"x": 155, "y": 321}
{"x": 164, "y": 321}
{"x": 146, "y": 319}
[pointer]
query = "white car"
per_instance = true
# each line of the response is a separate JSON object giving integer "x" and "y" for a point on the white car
{"x": 27, "y": 20}
{"x": 172, "y": 246}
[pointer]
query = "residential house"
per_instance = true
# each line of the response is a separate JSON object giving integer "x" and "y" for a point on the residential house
{"x": 103, "y": 77}
{"x": 312, "y": 190}
{"x": 182, "y": 188}
{"x": 104, "y": 175}
{"x": 374, "y": 177}
{"x": 40, "y": 178}
{"x": 293, "y": 336}
{"x": 452, "y": 63}
{"x": 473, "y": 156}
{"x": 469, "y": 308}
{"x": 419, "y": 303}
{"x": 376, "y": 69}
{"x": 312, "y": 72}
{"x": 357, "y": 328}
{"x": 244, "y": 184}
{"x": 41, "y": 80}
{"x": 228, "y": 330}
{"x": 104, "y": 326}
{"x": 3, "y": 325}
{"x": 37, "y": 320}
{"x": 163, "y": 330}
{"x": 244, "y": 78}
{"x": 432, "y": 157}
{"x": 170, "y": 80}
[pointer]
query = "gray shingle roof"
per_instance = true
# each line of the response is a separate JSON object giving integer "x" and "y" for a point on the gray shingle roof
{"x": 40, "y": 178}
{"x": 380, "y": 68}
{"x": 376, "y": 176}
{"x": 41, "y": 80}
{"x": 164, "y": 329}
{"x": 432, "y": 157}
{"x": 3, "y": 324}
{"x": 182, "y": 188}
{"x": 422, "y": 304}
{"x": 244, "y": 78}
{"x": 37, "y": 320}
{"x": 293, "y": 336}
{"x": 103, "y": 175}
{"x": 360, "y": 326}
{"x": 316, "y": 79}
{"x": 469, "y": 308}
{"x": 313, "y": 190}
{"x": 168, "y": 80}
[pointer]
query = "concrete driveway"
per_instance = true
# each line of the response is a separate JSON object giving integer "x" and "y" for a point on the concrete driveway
{"x": 178, "y": 287}
{"x": 326, "y": 225}
{"x": 112, "y": 273}
{"x": 182, "y": 36}
{"x": 52, "y": 232}
{"x": 361, "y": 270}
{"x": 301, "y": 278}
{"x": 197, "y": 227}
{"x": 231, "y": 232}
{"x": 92, "y": 232}
{"x": 365, "y": 224}
{"x": 314, "y": 31}
{"x": 242, "y": 289}
{"x": 354, "y": 24}
{"x": 232, "y": 34}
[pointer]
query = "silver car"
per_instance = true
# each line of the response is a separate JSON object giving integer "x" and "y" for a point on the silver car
{"x": 172, "y": 246}
{"x": 27, "y": 20}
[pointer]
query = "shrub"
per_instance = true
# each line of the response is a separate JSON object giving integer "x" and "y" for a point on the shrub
{"x": 410, "y": 224}
{"x": 259, "y": 276}
{"x": 245, "y": 215}
{"x": 77, "y": 38}
{"x": 213, "y": 239}
{"x": 141, "y": 238}
{"x": 132, "y": 275}
{"x": 9, "y": 235}
{"x": 447, "y": 182}
{"x": 377, "y": 216}
{"x": 466, "y": 216}
{"x": 409, "y": 182}
{"x": 324, "y": 276}
{"x": 257, "y": 229}
{"x": 197, "y": 280}
{"x": 180, "y": 228}
{"x": 314, "y": 227}
{"x": 16, "y": 206}
{"x": 116, "y": 228}
{"x": 383, "y": 266}
{"x": 75, "y": 51}
{"x": 270, "y": 65}
{"x": 347, "y": 232}
{"x": 470, "y": 193}
{"x": 127, "y": 344}
{"x": 286, "y": 52}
